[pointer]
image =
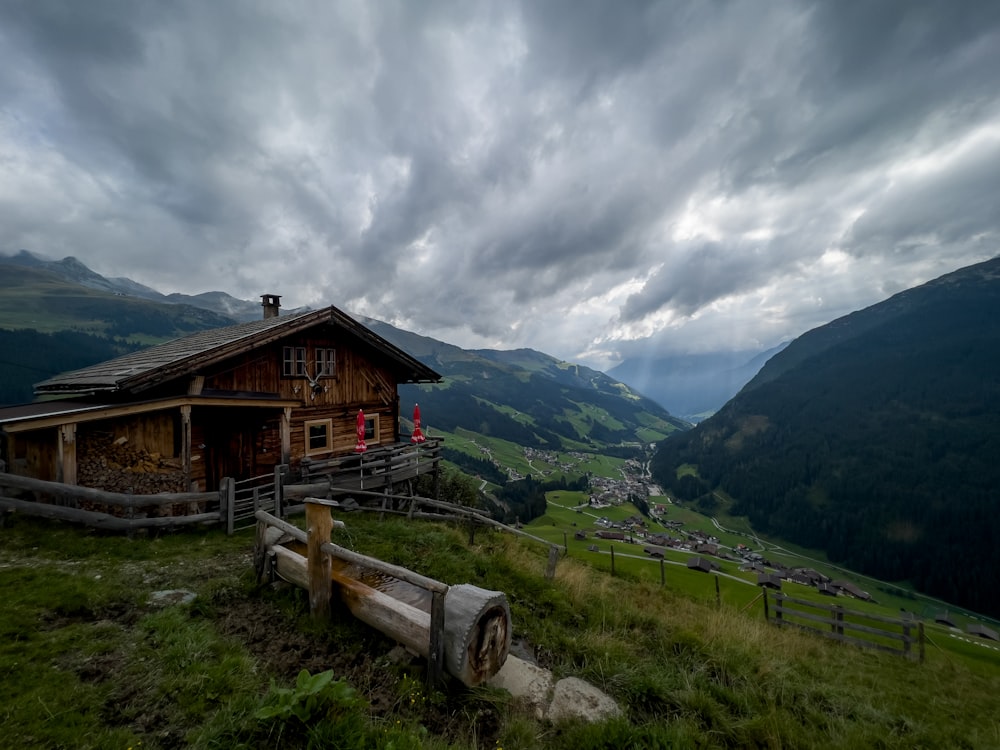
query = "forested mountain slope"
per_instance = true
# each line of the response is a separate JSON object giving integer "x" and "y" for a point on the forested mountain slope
{"x": 527, "y": 397}
{"x": 875, "y": 438}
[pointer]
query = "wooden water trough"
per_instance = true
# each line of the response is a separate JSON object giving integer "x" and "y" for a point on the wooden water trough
{"x": 463, "y": 629}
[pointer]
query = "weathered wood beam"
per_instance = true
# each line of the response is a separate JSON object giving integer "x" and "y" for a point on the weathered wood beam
{"x": 77, "y": 492}
{"x": 476, "y": 635}
{"x": 103, "y": 520}
{"x": 319, "y": 523}
{"x": 66, "y": 448}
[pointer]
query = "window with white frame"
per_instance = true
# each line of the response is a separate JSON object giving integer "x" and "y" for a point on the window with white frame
{"x": 371, "y": 429}
{"x": 293, "y": 361}
{"x": 319, "y": 436}
{"x": 326, "y": 363}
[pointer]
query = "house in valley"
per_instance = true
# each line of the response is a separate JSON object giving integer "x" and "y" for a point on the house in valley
{"x": 229, "y": 402}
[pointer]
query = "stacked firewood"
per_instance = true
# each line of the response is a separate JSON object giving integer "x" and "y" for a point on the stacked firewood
{"x": 114, "y": 465}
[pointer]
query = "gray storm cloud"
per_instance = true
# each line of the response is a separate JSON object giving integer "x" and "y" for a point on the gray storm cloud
{"x": 590, "y": 179}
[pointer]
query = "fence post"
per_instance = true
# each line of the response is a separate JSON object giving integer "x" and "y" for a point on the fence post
{"x": 279, "y": 489}
{"x": 227, "y": 502}
{"x": 767, "y": 613}
{"x": 718, "y": 597}
{"x": 319, "y": 523}
{"x": 906, "y": 639}
{"x": 778, "y": 598}
{"x": 260, "y": 552}
{"x": 437, "y": 477}
{"x": 663, "y": 575}
{"x": 388, "y": 472}
{"x": 838, "y": 615}
{"x": 612, "y": 548}
{"x": 550, "y": 569}
{"x": 565, "y": 543}
{"x": 435, "y": 653}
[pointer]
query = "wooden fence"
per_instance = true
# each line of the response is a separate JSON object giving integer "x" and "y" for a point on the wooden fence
{"x": 892, "y": 635}
{"x": 77, "y": 504}
{"x": 235, "y": 503}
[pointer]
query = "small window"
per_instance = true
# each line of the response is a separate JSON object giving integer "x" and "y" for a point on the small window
{"x": 319, "y": 436}
{"x": 293, "y": 361}
{"x": 326, "y": 363}
{"x": 371, "y": 429}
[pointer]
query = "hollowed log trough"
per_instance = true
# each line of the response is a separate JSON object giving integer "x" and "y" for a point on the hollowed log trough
{"x": 468, "y": 635}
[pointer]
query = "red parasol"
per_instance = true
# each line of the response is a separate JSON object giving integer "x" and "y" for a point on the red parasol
{"x": 417, "y": 436}
{"x": 361, "y": 447}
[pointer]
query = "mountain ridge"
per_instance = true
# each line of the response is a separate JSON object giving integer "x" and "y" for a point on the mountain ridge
{"x": 528, "y": 396}
{"x": 873, "y": 438}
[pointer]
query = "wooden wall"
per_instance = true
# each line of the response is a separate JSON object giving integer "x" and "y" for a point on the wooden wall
{"x": 359, "y": 379}
{"x": 34, "y": 454}
{"x": 361, "y": 382}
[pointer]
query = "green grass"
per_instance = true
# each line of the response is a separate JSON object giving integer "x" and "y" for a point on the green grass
{"x": 89, "y": 662}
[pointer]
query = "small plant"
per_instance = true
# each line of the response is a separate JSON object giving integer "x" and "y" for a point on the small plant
{"x": 313, "y": 697}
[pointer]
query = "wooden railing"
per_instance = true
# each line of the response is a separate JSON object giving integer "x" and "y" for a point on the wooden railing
{"x": 377, "y": 467}
{"x": 865, "y": 629}
{"x": 200, "y": 507}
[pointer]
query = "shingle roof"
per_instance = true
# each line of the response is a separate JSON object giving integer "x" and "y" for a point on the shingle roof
{"x": 140, "y": 370}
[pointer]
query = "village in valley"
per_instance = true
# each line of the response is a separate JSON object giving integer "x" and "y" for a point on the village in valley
{"x": 707, "y": 551}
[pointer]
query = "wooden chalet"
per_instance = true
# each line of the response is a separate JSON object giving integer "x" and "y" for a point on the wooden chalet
{"x": 231, "y": 402}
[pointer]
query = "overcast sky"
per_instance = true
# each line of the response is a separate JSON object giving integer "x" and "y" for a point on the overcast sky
{"x": 590, "y": 179}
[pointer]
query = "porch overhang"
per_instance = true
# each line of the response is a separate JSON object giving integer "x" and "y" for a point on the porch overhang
{"x": 41, "y": 415}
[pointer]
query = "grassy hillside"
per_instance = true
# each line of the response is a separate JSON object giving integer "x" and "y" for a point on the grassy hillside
{"x": 91, "y": 660}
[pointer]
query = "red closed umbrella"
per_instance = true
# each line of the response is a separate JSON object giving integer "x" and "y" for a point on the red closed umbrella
{"x": 417, "y": 436}
{"x": 361, "y": 447}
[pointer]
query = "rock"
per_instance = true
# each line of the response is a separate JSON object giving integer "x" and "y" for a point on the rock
{"x": 525, "y": 681}
{"x": 574, "y": 698}
{"x": 173, "y": 596}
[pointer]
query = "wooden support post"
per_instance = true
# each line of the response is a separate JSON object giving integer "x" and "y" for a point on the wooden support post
{"x": 319, "y": 523}
{"x": 838, "y": 615}
{"x": 286, "y": 435}
{"x": 279, "y": 489}
{"x": 767, "y": 614}
{"x": 227, "y": 502}
{"x": 718, "y": 597}
{"x": 435, "y": 654}
{"x": 260, "y": 552}
{"x": 663, "y": 575}
{"x": 778, "y": 601}
{"x": 906, "y": 639}
{"x": 550, "y": 569}
{"x": 472, "y": 530}
{"x": 67, "y": 454}
{"x": 565, "y": 543}
{"x": 612, "y": 548}
{"x": 186, "y": 443}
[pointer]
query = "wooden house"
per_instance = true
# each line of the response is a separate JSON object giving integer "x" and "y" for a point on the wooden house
{"x": 229, "y": 402}
{"x": 701, "y": 564}
{"x": 982, "y": 631}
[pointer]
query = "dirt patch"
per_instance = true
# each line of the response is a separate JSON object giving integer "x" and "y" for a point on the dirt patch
{"x": 390, "y": 679}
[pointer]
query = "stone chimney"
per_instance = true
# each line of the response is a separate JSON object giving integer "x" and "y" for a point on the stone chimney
{"x": 271, "y": 304}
